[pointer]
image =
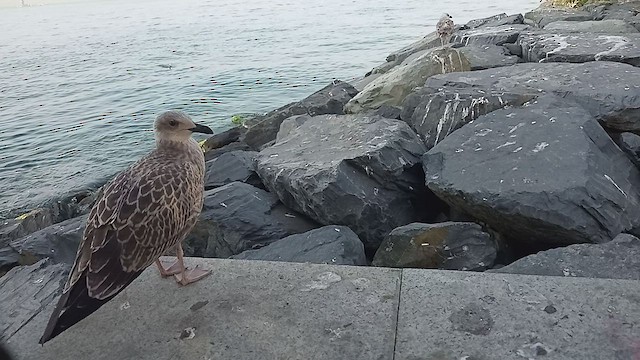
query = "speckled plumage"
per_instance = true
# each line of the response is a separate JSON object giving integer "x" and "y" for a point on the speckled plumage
{"x": 144, "y": 211}
{"x": 445, "y": 28}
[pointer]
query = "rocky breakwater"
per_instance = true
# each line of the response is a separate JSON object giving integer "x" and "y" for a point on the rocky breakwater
{"x": 513, "y": 148}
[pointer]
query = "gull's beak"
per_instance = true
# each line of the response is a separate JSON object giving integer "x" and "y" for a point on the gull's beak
{"x": 202, "y": 129}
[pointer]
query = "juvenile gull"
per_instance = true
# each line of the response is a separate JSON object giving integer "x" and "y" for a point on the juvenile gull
{"x": 144, "y": 211}
{"x": 445, "y": 28}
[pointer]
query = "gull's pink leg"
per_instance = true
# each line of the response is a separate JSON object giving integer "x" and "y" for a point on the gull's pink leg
{"x": 188, "y": 276}
{"x": 172, "y": 269}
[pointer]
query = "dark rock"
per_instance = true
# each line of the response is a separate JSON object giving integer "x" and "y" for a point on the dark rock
{"x": 327, "y": 245}
{"x": 546, "y": 174}
{"x": 290, "y": 124}
{"x": 356, "y": 170}
{"x": 626, "y": 11}
{"x": 27, "y": 223}
{"x": 513, "y": 49}
{"x": 388, "y": 111}
{"x": 488, "y": 56}
{"x": 496, "y": 20}
{"x": 434, "y": 113}
{"x": 224, "y": 138}
{"x": 328, "y": 100}
{"x": 59, "y": 242}
{"x": 542, "y": 17}
{"x": 498, "y": 35}
{"x": 630, "y": 144}
{"x": 230, "y": 167}
{"x": 609, "y": 91}
{"x": 234, "y": 146}
{"x": 483, "y": 21}
{"x": 578, "y": 48}
{"x": 617, "y": 259}
{"x": 430, "y": 41}
{"x": 602, "y": 26}
{"x": 448, "y": 245}
{"x": 238, "y": 217}
{"x": 20, "y": 303}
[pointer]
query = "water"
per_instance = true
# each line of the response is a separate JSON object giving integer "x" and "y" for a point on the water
{"x": 81, "y": 83}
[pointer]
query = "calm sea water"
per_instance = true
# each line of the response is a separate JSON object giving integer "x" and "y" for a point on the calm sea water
{"x": 81, "y": 83}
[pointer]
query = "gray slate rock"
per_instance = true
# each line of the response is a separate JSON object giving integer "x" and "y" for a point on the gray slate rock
{"x": 230, "y": 167}
{"x": 328, "y": 100}
{"x": 59, "y": 242}
{"x": 612, "y": 26}
{"x": 543, "y": 16}
{"x": 233, "y": 146}
{"x": 496, "y": 20}
{"x": 224, "y": 138}
{"x": 26, "y": 291}
{"x": 497, "y": 35}
{"x": 434, "y": 113}
{"x": 578, "y": 48}
{"x": 630, "y": 144}
{"x": 447, "y": 245}
{"x": 488, "y": 56}
{"x": 609, "y": 91}
{"x": 336, "y": 245}
{"x": 429, "y": 41}
{"x": 546, "y": 174}
{"x": 238, "y": 217}
{"x": 358, "y": 170}
{"x": 617, "y": 259}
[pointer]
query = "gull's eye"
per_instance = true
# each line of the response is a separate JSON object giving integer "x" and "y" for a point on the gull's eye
{"x": 173, "y": 123}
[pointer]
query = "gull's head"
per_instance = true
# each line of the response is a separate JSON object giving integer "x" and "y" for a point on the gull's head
{"x": 446, "y": 16}
{"x": 177, "y": 126}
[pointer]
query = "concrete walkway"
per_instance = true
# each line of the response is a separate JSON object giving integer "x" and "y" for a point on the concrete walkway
{"x": 269, "y": 310}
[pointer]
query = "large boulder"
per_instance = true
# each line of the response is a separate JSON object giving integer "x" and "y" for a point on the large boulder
{"x": 238, "y": 217}
{"x": 630, "y": 144}
{"x": 336, "y": 245}
{"x": 617, "y": 259}
{"x": 608, "y": 90}
{"x": 59, "y": 242}
{"x": 26, "y": 291}
{"x": 429, "y": 41}
{"x": 482, "y": 57}
{"x": 498, "y": 35}
{"x": 328, "y": 100}
{"x": 392, "y": 87}
{"x": 362, "y": 171}
{"x": 230, "y": 167}
{"x": 543, "y": 16}
{"x": 448, "y": 245}
{"x": 545, "y": 174}
{"x": 495, "y": 20}
{"x": 579, "y": 48}
{"x": 435, "y": 112}
{"x": 612, "y": 26}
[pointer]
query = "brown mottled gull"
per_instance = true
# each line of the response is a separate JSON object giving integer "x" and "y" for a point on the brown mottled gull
{"x": 445, "y": 28}
{"x": 144, "y": 211}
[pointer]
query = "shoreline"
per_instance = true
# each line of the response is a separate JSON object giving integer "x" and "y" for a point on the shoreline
{"x": 411, "y": 93}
